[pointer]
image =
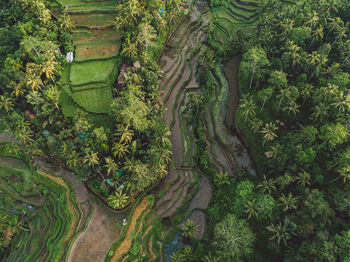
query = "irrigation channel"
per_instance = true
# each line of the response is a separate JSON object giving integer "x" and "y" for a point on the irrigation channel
{"x": 185, "y": 191}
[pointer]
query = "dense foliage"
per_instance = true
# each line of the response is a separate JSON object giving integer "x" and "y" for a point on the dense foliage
{"x": 294, "y": 113}
{"x": 131, "y": 138}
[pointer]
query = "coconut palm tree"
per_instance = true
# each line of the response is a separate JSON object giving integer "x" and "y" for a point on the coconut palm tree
{"x": 284, "y": 94}
{"x": 292, "y": 107}
{"x": 221, "y": 179}
{"x": 312, "y": 19}
{"x": 120, "y": 150}
{"x": 303, "y": 178}
{"x": 319, "y": 111}
{"x": 255, "y": 124}
{"x": 6, "y": 103}
{"x": 267, "y": 185}
{"x": 177, "y": 256}
{"x": 248, "y": 107}
{"x": 211, "y": 258}
{"x": 74, "y": 159}
{"x": 34, "y": 82}
{"x": 147, "y": 34}
{"x": 341, "y": 102}
{"x": 269, "y": 132}
{"x": 48, "y": 68}
{"x": 251, "y": 208}
{"x": 279, "y": 232}
{"x": 345, "y": 173}
{"x": 189, "y": 229}
{"x": 65, "y": 23}
{"x": 125, "y": 134}
{"x": 118, "y": 199}
{"x": 288, "y": 202}
{"x": 91, "y": 158}
{"x": 110, "y": 165}
{"x": 129, "y": 50}
{"x": 22, "y": 131}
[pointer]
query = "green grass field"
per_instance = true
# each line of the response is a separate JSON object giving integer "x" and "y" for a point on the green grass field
{"x": 94, "y": 100}
{"x": 92, "y": 71}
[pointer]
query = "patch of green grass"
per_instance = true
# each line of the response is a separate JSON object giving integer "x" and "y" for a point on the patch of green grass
{"x": 92, "y": 71}
{"x": 94, "y": 100}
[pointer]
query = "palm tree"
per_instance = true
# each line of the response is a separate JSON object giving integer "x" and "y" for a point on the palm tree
{"x": 34, "y": 82}
{"x": 279, "y": 233}
{"x": 14, "y": 225}
{"x": 248, "y": 106}
{"x": 255, "y": 124}
{"x": 284, "y": 94}
{"x": 276, "y": 150}
{"x": 293, "y": 52}
{"x": 190, "y": 229}
{"x": 306, "y": 91}
{"x": 48, "y": 68}
{"x": 340, "y": 102}
{"x": 110, "y": 165}
{"x": 328, "y": 92}
{"x": 288, "y": 202}
{"x": 118, "y": 199}
{"x": 129, "y": 50}
{"x": 317, "y": 34}
{"x": 267, "y": 185}
{"x": 65, "y": 23}
{"x": 6, "y": 103}
{"x": 269, "y": 132}
{"x": 74, "y": 159}
{"x": 162, "y": 154}
{"x": 303, "y": 178}
{"x": 23, "y": 131}
{"x": 221, "y": 179}
{"x": 177, "y": 256}
{"x": 162, "y": 170}
{"x": 312, "y": 19}
{"x": 292, "y": 107}
{"x": 120, "y": 150}
{"x": 345, "y": 173}
{"x": 125, "y": 134}
{"x": 130, "y": 11}
{"x": 211, "y": 258}
{"x": 320, "y": 111}
{"x": 251, "y": 208}
{"x": 147, "y": 34}
{"x": 91, "y": 158}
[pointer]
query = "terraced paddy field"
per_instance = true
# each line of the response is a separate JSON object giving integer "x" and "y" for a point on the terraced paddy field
{"x": 96, "y": 63}
{"x": 186, "y": 192}
{"x": 62, "y": 220}
{"x": 234, "y": 15}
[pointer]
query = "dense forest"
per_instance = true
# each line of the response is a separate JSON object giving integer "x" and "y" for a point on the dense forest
{"x": 294, "y": 116}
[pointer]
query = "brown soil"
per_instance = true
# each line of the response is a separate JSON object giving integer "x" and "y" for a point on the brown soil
{"x": 97, "y": 51}
{"x": 127, "y": 241}
{"x": 93, "y": 244}
{"x": 231, "y": 72}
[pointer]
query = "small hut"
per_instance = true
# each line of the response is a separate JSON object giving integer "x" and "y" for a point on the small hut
{"x": 69, "y": 57}
{"x": 121, "y": 79}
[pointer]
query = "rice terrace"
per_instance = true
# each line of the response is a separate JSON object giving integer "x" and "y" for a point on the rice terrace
{"x": 174, "y": 131}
